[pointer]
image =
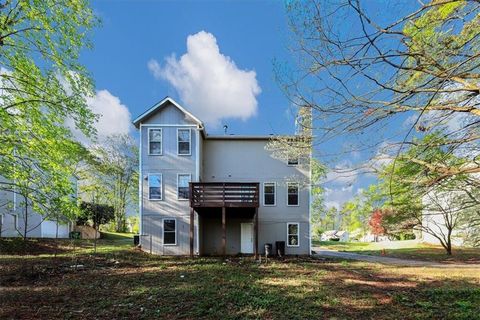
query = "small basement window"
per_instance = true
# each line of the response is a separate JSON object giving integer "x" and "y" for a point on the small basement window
{"x": 293, "y": 234}
{"x": 169, "y": 231}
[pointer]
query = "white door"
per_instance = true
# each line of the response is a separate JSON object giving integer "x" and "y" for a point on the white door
{"x": 246, "y": 238}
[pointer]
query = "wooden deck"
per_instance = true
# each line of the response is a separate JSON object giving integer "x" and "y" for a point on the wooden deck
{"x": 224, "y": 195}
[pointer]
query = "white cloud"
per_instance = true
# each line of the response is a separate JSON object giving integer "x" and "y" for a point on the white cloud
{"x": 113, "y": 116}
{"x": 209, "y": 82}
{"x": 336, "y": 197}
{"x": 343, "y": 173}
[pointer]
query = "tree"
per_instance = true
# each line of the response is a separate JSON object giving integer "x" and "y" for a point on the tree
{"x": 441, "y": 210}
{"x": 42, "y": 87}
{"x": 375, "y": 223}
{"x": 98, "y": 214}
{"x": 420, "y": 68}
{"x": 112, "y": 176}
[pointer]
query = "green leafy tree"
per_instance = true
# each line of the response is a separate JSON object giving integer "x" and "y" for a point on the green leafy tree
{"x": 111, "y": 176}
{"x": 42, "y": 87}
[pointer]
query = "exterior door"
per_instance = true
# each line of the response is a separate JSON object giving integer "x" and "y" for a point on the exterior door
{"x": 246, "y": 238}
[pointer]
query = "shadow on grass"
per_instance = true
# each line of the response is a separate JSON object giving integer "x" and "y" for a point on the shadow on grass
{"x": 132, "y": 284}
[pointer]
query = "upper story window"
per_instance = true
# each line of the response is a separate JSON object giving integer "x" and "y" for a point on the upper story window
{"x": 155, "y": 186}
{"x": 292, "y": 161}
{"x": 169, "y": 232}
{"x": 292, "y": 194}
{"x": 154, "y": 141}
{"x": 184, "y": 138}
{"x": 269, "y": 189}
{"x": 183, "y": 190}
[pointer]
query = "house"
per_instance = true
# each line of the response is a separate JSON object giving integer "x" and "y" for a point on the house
{"x": 330, "y": 235}
{"x": 202, "y": 194}
{"x": 13, "y": 222}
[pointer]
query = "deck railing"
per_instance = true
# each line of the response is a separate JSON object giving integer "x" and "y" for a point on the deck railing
{"x": 224, "y": 194}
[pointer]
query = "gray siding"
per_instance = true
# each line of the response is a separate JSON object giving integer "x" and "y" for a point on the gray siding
{"x": 218, "y": 161}
{"x": 248, "y": 161}
{"x": 169, "y": 164}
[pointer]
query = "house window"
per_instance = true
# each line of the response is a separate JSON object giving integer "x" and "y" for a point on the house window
{"x": 292, "y": 161}
{"x": 154, "y": 141}
{"x": 293, "y": 234}
{"x": 183, "y": 192}
{"x": 292, "y": 194}
{"x": 269, "y": 194}
{"x": 155, "y": 187}
{"x": 169, "y": 231}
{"x": 184, "y": 137}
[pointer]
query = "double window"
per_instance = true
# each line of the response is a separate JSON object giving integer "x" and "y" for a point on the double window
{"x": 293, "y": 234}
{"x": 155, "y": 186}
{"x": 184, "y": 139}
{"x": 269, "y": 189}
{"x": 292, "y": 194}
{"x": 183, "y": 191}
{"x": 154, "y": 141}
{"x": 169, "y": 231}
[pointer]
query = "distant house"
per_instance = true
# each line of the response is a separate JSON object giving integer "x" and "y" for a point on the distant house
{"x": 335, "y": 235}
{"x": 12, "y": 219}
{"x": 203, "y": 194}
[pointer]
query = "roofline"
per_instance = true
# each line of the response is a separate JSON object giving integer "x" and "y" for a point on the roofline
{"x": 242, "y": 137}
{"x": 137, "y": 121}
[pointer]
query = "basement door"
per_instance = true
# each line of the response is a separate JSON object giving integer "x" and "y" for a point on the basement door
{"x": 246, "y": 238}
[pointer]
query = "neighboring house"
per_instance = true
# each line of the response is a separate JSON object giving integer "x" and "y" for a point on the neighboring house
{"x": 12, "y": 219}
{"x": 333, "y": 235}
{"x": 202, "y": 194}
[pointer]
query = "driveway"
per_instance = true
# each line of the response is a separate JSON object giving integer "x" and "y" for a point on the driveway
{"x": 325, "y": 253}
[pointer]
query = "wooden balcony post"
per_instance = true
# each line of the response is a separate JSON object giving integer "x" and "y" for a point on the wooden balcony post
{"x": 255, "y": 233}
{"x": 192, "y": 222}
{"x": 224, "y": 232}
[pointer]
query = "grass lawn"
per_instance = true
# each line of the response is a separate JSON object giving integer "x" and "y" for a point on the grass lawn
{"x": 121, "y": 282}
{"x": 408, "y": 249}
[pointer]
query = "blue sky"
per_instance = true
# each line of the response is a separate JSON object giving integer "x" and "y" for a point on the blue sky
{"x": 140, "y": 55}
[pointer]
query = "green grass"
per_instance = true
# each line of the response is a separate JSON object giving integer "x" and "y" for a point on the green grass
{"x": 408, "y": 249}
{"x": 122, "y": 282}
{"x": 116, "y": 235}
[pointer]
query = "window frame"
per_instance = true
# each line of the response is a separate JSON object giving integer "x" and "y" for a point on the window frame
{"x": 178, "y": 185}
{"x": 274, "y": 193}
{"x": 293, "y": 164}
{"x": 189, "y": 142}
{"x": 163, "y": 232}
{"x": 161, "y": 186}
{"x": 161, "y": 142}
{"x": 298, "y": 234}
{"x": 298, "y": 194}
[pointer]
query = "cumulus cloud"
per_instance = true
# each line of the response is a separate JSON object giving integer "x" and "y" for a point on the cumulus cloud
{"x": 336, "y": 197}
{"x": 342, "y": 173}
{"x": 209, "y": 82}
{"x": 113, "y": 116}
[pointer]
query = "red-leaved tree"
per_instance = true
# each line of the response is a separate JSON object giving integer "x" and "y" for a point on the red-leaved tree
{"x": 375, "y": 222}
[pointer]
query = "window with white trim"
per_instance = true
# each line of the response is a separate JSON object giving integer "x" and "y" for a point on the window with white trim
{"x": 184, "y": 138}
{"x": 155, "y": 141}
{"x": 169, "y": 232}
{"x": 293, "y": 234}
{"x": 292, "y": 194}
{"x": 155, "y": 187}
{"x": 269, "y": 189}
{"x": 183, "y": 189}
{"x": 292, "y": 161}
